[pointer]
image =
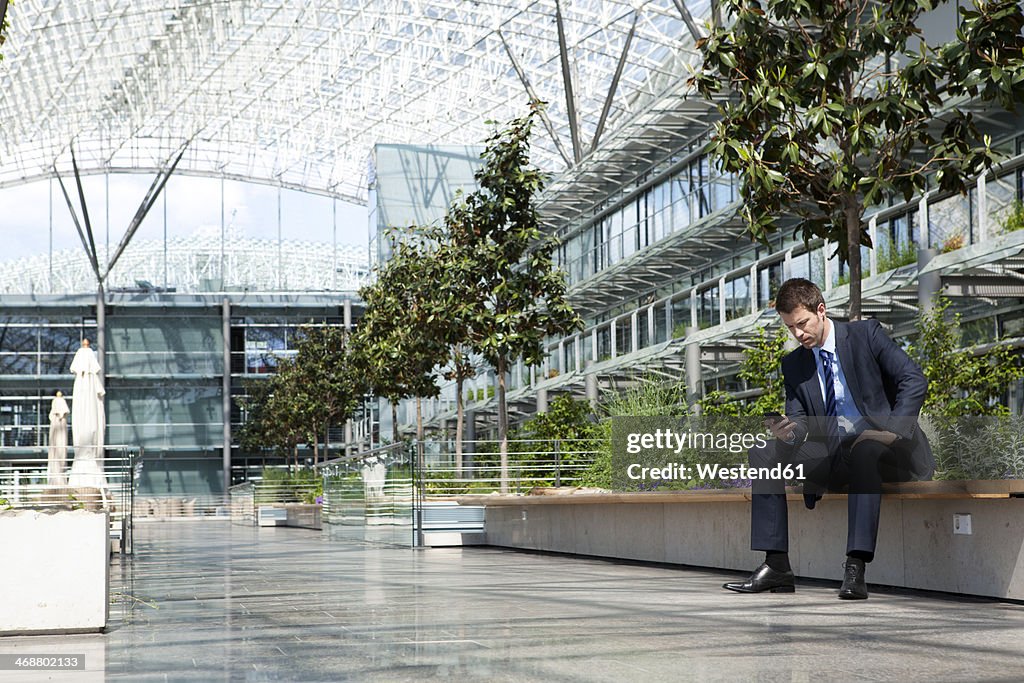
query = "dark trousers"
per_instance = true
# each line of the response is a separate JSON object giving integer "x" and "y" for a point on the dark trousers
{"x": 861, "y": 469}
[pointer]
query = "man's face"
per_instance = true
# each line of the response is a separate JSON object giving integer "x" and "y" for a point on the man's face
{"x": 807, "y": 326}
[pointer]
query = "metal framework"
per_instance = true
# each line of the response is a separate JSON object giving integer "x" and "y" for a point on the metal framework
{"x": 295, "y": 92}
{"x": 197, "y": 264}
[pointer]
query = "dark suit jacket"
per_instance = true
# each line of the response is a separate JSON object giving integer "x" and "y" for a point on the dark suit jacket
{"x": 885, "y": 384}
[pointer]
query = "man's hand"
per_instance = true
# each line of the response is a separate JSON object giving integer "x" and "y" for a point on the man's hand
{"x": 782, "y": 427}
{"x": 886, "y": 438}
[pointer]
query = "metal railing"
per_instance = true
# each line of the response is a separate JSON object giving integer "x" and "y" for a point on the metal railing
{"x": 249, "y": 497}
{"x": 374, "y": 488}
{"x": 27, "y": 482}
{"x": 394, "y": 485}
{"x": 151, "y": 506}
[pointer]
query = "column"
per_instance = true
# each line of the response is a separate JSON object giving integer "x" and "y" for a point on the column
{"x": 591, "y": 387}
{"x": 928, "y": 284}
{"x": 693, "y": 379}
{"x": 225, "y": 316}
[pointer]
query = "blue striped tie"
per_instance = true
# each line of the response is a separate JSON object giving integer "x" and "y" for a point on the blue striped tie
{"x": 830, "y": 384}
{"x": 831, "y": 412}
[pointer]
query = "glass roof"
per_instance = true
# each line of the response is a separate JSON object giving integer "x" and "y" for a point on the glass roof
{"x": 296, "y": 92}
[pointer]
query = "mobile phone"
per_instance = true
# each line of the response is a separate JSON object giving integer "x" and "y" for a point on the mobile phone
{"x": 773, "y": 416}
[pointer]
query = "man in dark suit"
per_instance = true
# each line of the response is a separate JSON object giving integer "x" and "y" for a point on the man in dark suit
{"x": 852, "y": 401}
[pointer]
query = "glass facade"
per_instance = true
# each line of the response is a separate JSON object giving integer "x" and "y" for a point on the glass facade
{"x": 414, "y": 185}
{"x": 165, "y": 373}
{"x": 692, "y": 191}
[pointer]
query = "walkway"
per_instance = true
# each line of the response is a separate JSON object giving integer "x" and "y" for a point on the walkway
{"x": 208, "y": 601}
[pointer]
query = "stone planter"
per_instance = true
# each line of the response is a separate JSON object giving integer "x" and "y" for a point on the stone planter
{"x": 304, "y": 515}
{"x": 54, "y": 572}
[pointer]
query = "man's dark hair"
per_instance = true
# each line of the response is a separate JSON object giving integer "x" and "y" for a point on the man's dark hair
{"x": 797, "y": 292}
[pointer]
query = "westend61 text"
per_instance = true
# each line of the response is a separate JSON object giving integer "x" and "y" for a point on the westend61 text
{"x": 667, "y": 439}
{"x": 705, "y": 471}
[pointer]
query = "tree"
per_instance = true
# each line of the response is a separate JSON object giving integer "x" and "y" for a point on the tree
{"x": 836, "y": 105}
{"x": 451, "y": 317}
{"x": 514, "y": 297}
{"x": 394, "y": 345}
{"x": 327, "y": 386}
{"x": 274, "y": 417}
{"x": 307, "y": 395}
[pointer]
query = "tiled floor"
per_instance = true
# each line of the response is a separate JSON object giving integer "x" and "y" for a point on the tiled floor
{"x": 208, "y": 601}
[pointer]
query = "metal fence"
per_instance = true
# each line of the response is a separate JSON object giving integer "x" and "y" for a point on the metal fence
{"x": 26, "y": 481}
{"x": 532, "y": 463}
{"x": 401, "y": 491}
{"x": 260, "y": 498}
{"x": 373, "y": 488}
{"x": 152, "y": 506}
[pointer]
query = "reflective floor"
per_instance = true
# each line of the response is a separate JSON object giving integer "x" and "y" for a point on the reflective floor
{"x": 208, "y": 601}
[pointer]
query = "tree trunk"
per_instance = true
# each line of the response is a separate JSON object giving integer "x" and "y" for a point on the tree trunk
{"x": 502, "y": 424}
{"x": 327, "y": 440}
{"x": 852, "y": 212}
{"x": 459, "y": 422}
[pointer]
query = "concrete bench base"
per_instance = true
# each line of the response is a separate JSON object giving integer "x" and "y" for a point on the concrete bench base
{"x": 916, "y": 547}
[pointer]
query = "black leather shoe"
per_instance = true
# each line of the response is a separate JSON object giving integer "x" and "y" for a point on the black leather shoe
{"x": 811, "y": 499}
{"x": 854, "y": 587}
{"x": 764, "y": 579}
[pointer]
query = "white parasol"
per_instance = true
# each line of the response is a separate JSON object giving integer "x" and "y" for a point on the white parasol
{"x": 88, "y": 422}
{"x": 58, "y": 454}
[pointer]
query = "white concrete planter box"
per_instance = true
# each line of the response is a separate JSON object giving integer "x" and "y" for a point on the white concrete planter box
{"x": 54, "y": 571}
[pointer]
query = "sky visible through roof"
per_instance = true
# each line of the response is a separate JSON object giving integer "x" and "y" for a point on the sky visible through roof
{"x": 193, "y": 205}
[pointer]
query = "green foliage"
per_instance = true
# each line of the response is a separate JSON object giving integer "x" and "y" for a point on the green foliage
{"x": 1014, "y": 220}
{"x": 500, "y": 283}
{"x": 327, "y": 385}
{"x": 761, "y": 368}
{"x": 396, "y": 345}
{"x": 679, "y": 331}
{"x": 516, "y": 296}
{"x": 815, "y": 127}
{"x": 568, "y": 433}
{"x": 979, "y": 447}
{"x": 972, "y": 434}
{"x": 566, "y": 419}
{"x": 483, "y": 393}
{"x": 319, "y": 388}
{"x": 648, "y": 398}
{"x": 273, "y": 419}
{"x": 303, "y": 484}
{"x": 4, "y": 24}
{"x": 400, "y": 342}
{"x": 892, "y": 256}
{"x": 961, "y": 382}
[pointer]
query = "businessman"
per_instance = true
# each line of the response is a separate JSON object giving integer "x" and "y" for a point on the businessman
{"x": 852, "y": 401}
